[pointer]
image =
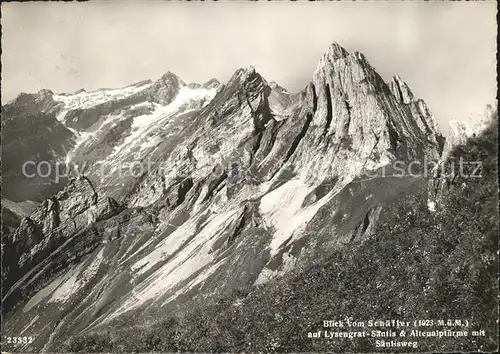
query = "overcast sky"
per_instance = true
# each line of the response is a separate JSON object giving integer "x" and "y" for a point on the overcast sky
{"x": 444, "y": 50}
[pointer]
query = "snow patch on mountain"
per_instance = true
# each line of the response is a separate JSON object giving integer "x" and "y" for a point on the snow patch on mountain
{"x": 84, "y": 100}
{"x": 80, "y": 139}
{"x": 143, "y": 125}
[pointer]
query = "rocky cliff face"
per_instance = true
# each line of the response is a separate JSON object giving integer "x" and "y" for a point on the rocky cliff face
{"x": 50, "y": 226}
{"x": 31, "y": 134}
{"x": 233, "y": 185}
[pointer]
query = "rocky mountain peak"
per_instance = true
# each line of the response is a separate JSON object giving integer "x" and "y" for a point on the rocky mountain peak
{"x": 243, "y": 74}
{"x": 247, "y": 81}
{"x": 44, "y": 93}
{"x": 400, "y": 90}
{"x": 164, "y": 90}
{"x": 353, "y": 114}
{"x": 42, "y": 101}
{"x": 212, "y": 83}
{"x": 335, "y": 51}
{"x": 171, "y": 78}
{"x": 250, "y": 70}
{"x": 275, "y": 86}
{"x": 417, "y": 107}
{"x": 280, "y": 101}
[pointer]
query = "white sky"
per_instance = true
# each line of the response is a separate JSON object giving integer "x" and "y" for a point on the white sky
{"x": 444, "y": 50}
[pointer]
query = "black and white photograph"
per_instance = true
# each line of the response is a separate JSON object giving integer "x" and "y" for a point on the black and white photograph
{"x": 249, "y": 176}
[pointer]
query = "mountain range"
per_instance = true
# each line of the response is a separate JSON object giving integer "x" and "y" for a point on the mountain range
{"x": 121, "y": 206}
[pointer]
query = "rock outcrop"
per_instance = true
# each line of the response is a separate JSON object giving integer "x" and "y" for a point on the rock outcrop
{"x": 54, "y": 222}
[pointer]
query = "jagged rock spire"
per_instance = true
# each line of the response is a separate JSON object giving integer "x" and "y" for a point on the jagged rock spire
{"x": 335, "y": 51}
{"x": 400, "y": 90}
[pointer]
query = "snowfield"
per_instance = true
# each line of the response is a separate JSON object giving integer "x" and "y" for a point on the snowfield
{"x": 83, "y": 100}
